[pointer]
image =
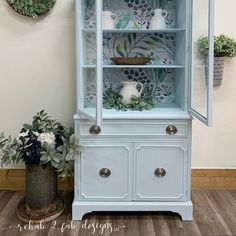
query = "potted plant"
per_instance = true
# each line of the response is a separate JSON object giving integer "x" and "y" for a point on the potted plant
{"x": 46, "y": 147}
{"x": 224, "y": 46}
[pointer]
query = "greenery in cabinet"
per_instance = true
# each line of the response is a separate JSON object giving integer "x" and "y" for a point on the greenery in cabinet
{"x": 112, "y": 99}
{"x": 158, "y": 87}
{"x": 224, "y": 46}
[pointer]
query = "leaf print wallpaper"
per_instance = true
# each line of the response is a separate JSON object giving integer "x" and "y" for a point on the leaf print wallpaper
{"x": 160, "y": 82}
{"x": 161, "y": 47}
{"x": 139, "y": 11}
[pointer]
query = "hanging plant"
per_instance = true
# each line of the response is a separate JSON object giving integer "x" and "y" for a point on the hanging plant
{"x": 31, "y": 8}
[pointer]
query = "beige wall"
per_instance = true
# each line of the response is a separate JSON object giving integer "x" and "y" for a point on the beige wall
{"x": 37, "y": 70}
{"x": 216, "y": 146}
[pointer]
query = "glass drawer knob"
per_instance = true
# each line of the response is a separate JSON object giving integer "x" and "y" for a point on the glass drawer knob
{"x": 171, "y": 129}
{"x": 104, "y": 172}
{"x": 160, "y": 172}
{"x": 94, "y": 129}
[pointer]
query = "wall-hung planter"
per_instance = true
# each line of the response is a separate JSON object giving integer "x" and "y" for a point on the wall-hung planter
{"x": 31, "y": 8}
{"x": 218, "y": 70}
{"x": 224, "y": 46}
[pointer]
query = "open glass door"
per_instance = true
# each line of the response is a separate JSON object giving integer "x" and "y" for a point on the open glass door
{"x": 202, "y": 66}
{"x": 89, "y": 62}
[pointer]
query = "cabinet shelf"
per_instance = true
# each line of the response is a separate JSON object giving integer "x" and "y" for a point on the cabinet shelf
{"x": 164, "y": 66}
{"x": 170, "y": 30}
{"x": 160, "y": 111}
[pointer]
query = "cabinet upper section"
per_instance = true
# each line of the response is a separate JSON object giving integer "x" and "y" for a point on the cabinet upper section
{"x": 135, "y": 14}
{"x": 113, "y": 36}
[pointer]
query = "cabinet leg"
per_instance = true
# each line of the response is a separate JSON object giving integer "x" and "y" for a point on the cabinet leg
{"x": 78, "y": 212}
{"x": 186, "y": 213}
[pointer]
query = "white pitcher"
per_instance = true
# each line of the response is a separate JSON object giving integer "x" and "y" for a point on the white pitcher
{"x": 108, "y": 19}
{"x": 158, "y": 20}
{"x": 130, "y": 89}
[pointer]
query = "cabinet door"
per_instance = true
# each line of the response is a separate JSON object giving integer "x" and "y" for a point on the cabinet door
{"x": 161, "y": 172}
{"x": 202, "y": 65}
{"x": 89, "y": 59}
{"x": 105, "y": 172}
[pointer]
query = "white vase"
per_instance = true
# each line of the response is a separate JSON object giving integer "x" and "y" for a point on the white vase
{"x": 158, "y": 20}
{"x": 130, "y": 89}
{"x": 108, "y": 19}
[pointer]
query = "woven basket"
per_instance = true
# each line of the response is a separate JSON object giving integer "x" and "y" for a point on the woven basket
{"x": 218, "y": 70}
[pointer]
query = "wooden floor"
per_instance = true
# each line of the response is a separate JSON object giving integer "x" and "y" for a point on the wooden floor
{"x": 214, "y": 214}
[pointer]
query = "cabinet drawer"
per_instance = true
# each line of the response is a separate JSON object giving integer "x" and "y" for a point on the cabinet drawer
{"x": 160, "y": 172}
{"x": 105, "y": 172}
{"x": 170, "y": 128}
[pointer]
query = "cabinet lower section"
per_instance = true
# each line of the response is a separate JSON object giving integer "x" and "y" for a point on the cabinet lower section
{"x": 133, "y": 174}
{"x": 184, "y": 209}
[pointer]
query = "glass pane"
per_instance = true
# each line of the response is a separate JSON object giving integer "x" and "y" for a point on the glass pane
{"x": 199, "y": 83}
{"x": 89, "y": 14}
{"x": 89, "y": 59}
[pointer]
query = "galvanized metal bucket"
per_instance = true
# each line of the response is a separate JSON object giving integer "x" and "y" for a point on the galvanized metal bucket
{"x": 41, "y": 188}
{"x": 41, "y": 201}
{"x": 218, "y": 70}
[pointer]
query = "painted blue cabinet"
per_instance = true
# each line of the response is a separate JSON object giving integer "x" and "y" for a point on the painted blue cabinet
{"x": 138, "y": 157}
{"x": 106, "y": 172}
{"x": 160, "y": 172}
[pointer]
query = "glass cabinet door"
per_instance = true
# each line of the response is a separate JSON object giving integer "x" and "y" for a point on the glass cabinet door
{"x": 202, "y": 65}
{"x": 89, "y": 60}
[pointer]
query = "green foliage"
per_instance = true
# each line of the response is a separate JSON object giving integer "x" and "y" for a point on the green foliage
{"x": 43, "y": 123}
{"x": 10, "y": 150}
{"x": 112, "y": 99}
{"x": 224, "y": 46}
{"x": 59, "y": 147}
{"x": 32, "y": 8}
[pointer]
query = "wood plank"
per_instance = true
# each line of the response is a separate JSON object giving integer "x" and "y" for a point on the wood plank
{"x": 214, "y": 178}
{"x": 214, "y": 214}
{"x": 208, "y": 219}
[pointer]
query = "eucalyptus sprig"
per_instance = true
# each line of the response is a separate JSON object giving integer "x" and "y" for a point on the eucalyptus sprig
{"x": 43, "y": 142}
{"x": 112, "y": 99}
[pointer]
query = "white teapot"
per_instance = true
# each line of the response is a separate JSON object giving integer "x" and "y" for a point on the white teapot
{"x": 130, "y": 89}
{"x": 158, "y": 20}
{"x": 108, "y": 20}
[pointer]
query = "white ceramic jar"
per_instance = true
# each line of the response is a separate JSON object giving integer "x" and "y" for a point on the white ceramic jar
{"x": 130, "y": 89}
{"x": 109, "y": 20}
{"x": 158, "y": 20}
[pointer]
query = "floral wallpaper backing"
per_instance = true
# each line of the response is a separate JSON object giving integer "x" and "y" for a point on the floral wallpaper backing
{"x": 159, "y": 46}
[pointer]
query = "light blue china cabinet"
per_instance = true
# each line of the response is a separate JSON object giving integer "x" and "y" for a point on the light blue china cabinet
{"x": 138, "y": 158}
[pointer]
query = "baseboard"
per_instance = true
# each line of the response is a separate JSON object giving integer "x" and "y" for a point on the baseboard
{"x": 214, "y": 178}
{"x": 14, "y": 179}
